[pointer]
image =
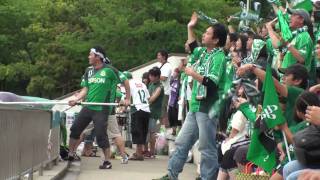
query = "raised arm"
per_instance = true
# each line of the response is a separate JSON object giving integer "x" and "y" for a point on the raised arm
{"x": 155, "y": 95}
{"x": 192, "y": 23}
{"x": 261, "y": 74}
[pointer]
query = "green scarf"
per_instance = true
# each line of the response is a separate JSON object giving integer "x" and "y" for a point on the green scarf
{"x": 204, "y": 17}
{"x": 203, "y": 69}
{"x": 257, "y": 45}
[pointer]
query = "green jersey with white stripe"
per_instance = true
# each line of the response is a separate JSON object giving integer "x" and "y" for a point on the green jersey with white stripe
{"x": 101, "y": 84}
{"x": 212, "y": 65}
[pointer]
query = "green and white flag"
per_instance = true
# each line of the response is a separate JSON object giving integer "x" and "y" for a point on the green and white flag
{"x": 256, "y": 47}
{"x": 263, "y": 146}
{"x": 271, "y": 111}
{"x": 302, "y": 4}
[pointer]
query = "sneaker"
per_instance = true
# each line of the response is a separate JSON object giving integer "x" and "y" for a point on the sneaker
{"x": 73, "y": 157}
{"x": 166, "y": 177}
{"x": 124, "y": 159}
{"x": 105, "y": 165}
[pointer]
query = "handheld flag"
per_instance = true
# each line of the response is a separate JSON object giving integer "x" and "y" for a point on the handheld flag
{"x": 262, "y": 147}
{"x": 302, "y": 4}
{"x": 284, "y": 27}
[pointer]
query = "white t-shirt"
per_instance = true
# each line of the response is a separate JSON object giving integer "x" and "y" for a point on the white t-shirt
{"x": 166, "y": 71}
{"x": 140, "y": 95}
{"x": 238, "y": 122}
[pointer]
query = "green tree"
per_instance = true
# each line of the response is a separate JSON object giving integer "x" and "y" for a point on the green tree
{"x": 51, "y": 38}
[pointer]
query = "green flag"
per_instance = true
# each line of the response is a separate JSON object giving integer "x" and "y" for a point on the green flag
{"x": 302, "y": 4}
{"x": 259, "y": 155}
{"x": 271, "y": 111}
{"x": 262, "y": 147}
{"x": 284, "y": 27}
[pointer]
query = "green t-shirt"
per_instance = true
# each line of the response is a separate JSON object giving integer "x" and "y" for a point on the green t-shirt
{"x": 155, "y": 107}
{"x": 212, "y": 65}
{"x": 100, "y": 85}
{"x": 120, "y": 79}
{"x": 293, "y": 93}
{"x": 303, "y": 43}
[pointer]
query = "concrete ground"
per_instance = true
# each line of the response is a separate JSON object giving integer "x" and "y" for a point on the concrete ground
{"x": 134, "y": 170}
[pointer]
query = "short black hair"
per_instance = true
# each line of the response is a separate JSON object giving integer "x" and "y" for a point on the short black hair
{"x": 304, "y": 100}
{"x": 251, "y": 34}
{"x": 155, "y": 71}
{"x": 233, "y": 37}
{"x": 243, "y": 49}
{"x": 299, "y": 72}
{"x": 220, "y": 32}
{"x": 99, "y": 49}
{"x": 164, "y": 53}
{"x": 145, "y": 75}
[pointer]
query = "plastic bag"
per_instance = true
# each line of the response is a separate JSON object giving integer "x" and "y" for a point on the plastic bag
{"x": 161, "y": 144}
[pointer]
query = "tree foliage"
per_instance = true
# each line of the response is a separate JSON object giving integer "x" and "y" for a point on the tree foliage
{"x": 44, "y": 44}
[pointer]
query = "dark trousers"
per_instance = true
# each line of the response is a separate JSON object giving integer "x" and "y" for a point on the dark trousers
{"x": 139, "y": 126}
{"x": 100, "y": 124}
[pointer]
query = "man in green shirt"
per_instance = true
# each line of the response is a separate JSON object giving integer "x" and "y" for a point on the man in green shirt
{"x": 299, "y": 48}
{"x": 207, "y": 73}
{"x": 98, "y": 85}
{"x": 295, "y": 80}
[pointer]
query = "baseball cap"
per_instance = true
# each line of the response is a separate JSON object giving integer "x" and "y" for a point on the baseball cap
{"x": 303, "y": 13}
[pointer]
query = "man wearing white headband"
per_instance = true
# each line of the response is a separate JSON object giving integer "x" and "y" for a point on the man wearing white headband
{"x": 104, "y": 58}
{"x": 98, "y": 85}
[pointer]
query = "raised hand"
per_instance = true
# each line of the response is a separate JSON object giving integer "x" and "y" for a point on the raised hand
{"x": 243, "y": 69}
{"x": 193, "y": 20}
{"x": 313, "y": 115}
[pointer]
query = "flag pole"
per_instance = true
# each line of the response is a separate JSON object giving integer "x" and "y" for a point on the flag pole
{"x": 248, "y": 7}
{"x": 286, "y": 143}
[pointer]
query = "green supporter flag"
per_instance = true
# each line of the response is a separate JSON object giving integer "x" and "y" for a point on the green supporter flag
{"x": 302, "y": 4}
{"x": 271, "y": 111}
{"x": 284, "y": 27}
{"x": 263, "y": 146}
